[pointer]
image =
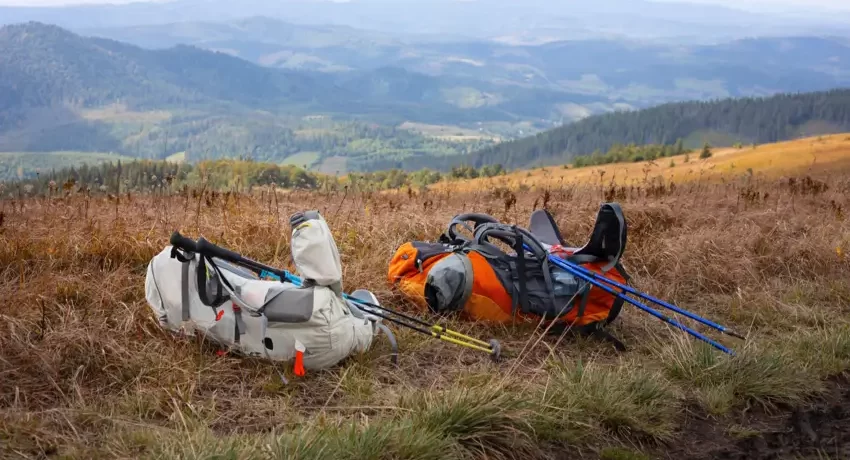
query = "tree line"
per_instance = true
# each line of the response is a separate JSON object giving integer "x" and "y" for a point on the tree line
{"x": 146, "y": 176}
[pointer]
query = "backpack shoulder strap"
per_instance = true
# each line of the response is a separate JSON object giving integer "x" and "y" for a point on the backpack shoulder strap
{"x": 608, "y": 240}
{"x": 543, "y": 226}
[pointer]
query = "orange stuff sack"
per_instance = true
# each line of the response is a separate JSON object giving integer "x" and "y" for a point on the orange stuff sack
{"x": 411, "y": 265}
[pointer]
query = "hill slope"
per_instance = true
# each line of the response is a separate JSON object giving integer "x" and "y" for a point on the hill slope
{"x": 801, "y": 156}
{"x": 45, "y": 65}
{"x": 747, "y": 120}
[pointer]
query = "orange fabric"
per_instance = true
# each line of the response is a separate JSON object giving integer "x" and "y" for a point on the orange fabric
{"x": 599, "y": 302}
{"x": 299, "y": 363}
{"x": 410, "y": 280}
{"x": 489, "y": 301}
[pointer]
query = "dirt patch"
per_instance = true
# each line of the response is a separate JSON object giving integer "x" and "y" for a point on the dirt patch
{"x": 820, "y": 431}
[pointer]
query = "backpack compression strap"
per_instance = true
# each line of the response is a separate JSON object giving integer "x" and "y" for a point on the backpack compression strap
{"x": 521, "y": 241}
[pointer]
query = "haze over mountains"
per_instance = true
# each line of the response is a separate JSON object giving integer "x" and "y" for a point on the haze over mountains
{"x": 509, "y": 20}
{"x": 296, "y": 82}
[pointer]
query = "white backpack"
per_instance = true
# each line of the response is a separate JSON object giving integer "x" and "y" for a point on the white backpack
{"x": 267, "y": 318}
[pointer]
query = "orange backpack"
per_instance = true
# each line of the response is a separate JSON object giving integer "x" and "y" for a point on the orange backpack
{"x": 478, "y": 279}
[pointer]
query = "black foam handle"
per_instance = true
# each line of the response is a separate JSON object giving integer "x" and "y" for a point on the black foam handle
{"x": 211, "y": 250}
{"x": 179, "y": 241}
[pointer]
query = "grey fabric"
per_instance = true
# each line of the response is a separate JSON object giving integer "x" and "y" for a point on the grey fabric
{"x": 235, "y": 269}
{"x": 288, "y": 304}
{"x": 468, "y": 278}
{"x": 449, "y": 283}
{"x": 542, "y": 226}
{"x": 393, "y": 343}
{"x": 184, "y": 293}
{"x": 364, "y": 296}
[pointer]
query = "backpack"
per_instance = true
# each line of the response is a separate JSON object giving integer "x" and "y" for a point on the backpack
{"x": 503, "y": 273}
{"x": 233, "y": 307}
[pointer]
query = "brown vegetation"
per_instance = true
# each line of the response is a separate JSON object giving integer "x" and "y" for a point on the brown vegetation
{"x": 85, "y": 372}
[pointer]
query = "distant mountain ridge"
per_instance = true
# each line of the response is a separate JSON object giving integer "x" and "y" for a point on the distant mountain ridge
{"x": 602, "y": 72}
{"x": 46, "y": 65}
{"x": 721, "y": 122}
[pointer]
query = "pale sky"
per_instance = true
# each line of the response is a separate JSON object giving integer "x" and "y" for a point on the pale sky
{"x": 760, "y": 4}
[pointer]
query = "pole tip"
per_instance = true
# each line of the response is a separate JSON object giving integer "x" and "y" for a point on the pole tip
{"x": 496, "y": 354}
{"x": 735, "y": 334}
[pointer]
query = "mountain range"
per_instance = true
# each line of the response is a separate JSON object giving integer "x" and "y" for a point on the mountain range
{"x": 339, "y": 98}
{"x": 631, "y": 74}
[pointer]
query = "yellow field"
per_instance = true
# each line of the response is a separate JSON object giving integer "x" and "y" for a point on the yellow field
{"x": 769, "y": 160}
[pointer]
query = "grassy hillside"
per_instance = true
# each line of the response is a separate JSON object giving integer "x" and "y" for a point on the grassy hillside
{"x": 88, "y": 373}
{"x": 770, "y": 161}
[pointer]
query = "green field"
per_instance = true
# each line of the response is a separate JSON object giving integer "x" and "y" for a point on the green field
{"x": 301, "y": 159}
{"x": 179, "y": 157}
{"x": 447, "y": 132}
{"x": 334, "y": 165}
{"x": 23, "y": 165}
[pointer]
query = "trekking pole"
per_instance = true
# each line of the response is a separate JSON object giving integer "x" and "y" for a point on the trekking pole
{"x": 650, "y": 298}
{"x": 561, "y": 263}
{"x": 203, "y": 246}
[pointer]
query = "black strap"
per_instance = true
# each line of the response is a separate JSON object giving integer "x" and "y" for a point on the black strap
{"x": 595, "y": 329}
{"x": 219, "y": 297}
{"x": 584, "y": 297}
{"x": 177, "y": 254}
{"x": 602, "y": 333}
{"x": 520, "y": 265}
{"x": 462, "y": 219}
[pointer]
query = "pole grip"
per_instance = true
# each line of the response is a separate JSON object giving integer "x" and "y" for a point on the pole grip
{"x": 179, "y": 241}
{"x": 211, "y": 250}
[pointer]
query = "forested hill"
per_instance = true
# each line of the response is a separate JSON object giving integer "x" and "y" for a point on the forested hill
{"x": 44, "y": 65}
{"x": 722, "y": 122}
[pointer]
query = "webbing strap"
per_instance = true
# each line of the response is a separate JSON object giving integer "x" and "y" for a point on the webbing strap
{"x": 584, "y": 297}
{"x": 184, "y": 292}
{"x": 582, "y": 259}
{"x": 614, "y": 259}
{"x": 393, "y": 344}
{"x": 520, "y": 264}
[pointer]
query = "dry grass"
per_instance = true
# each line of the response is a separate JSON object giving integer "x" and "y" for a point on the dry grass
{"x": 85, "y": 372}
{"x": 771, "y": 161}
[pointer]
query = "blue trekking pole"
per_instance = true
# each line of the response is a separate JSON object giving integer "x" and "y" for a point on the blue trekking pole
{"x": 562, "y": 264}
{"x": 650, "y": 298}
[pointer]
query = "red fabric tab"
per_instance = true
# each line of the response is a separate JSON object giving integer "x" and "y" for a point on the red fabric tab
{"x": 299, "y": 363}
